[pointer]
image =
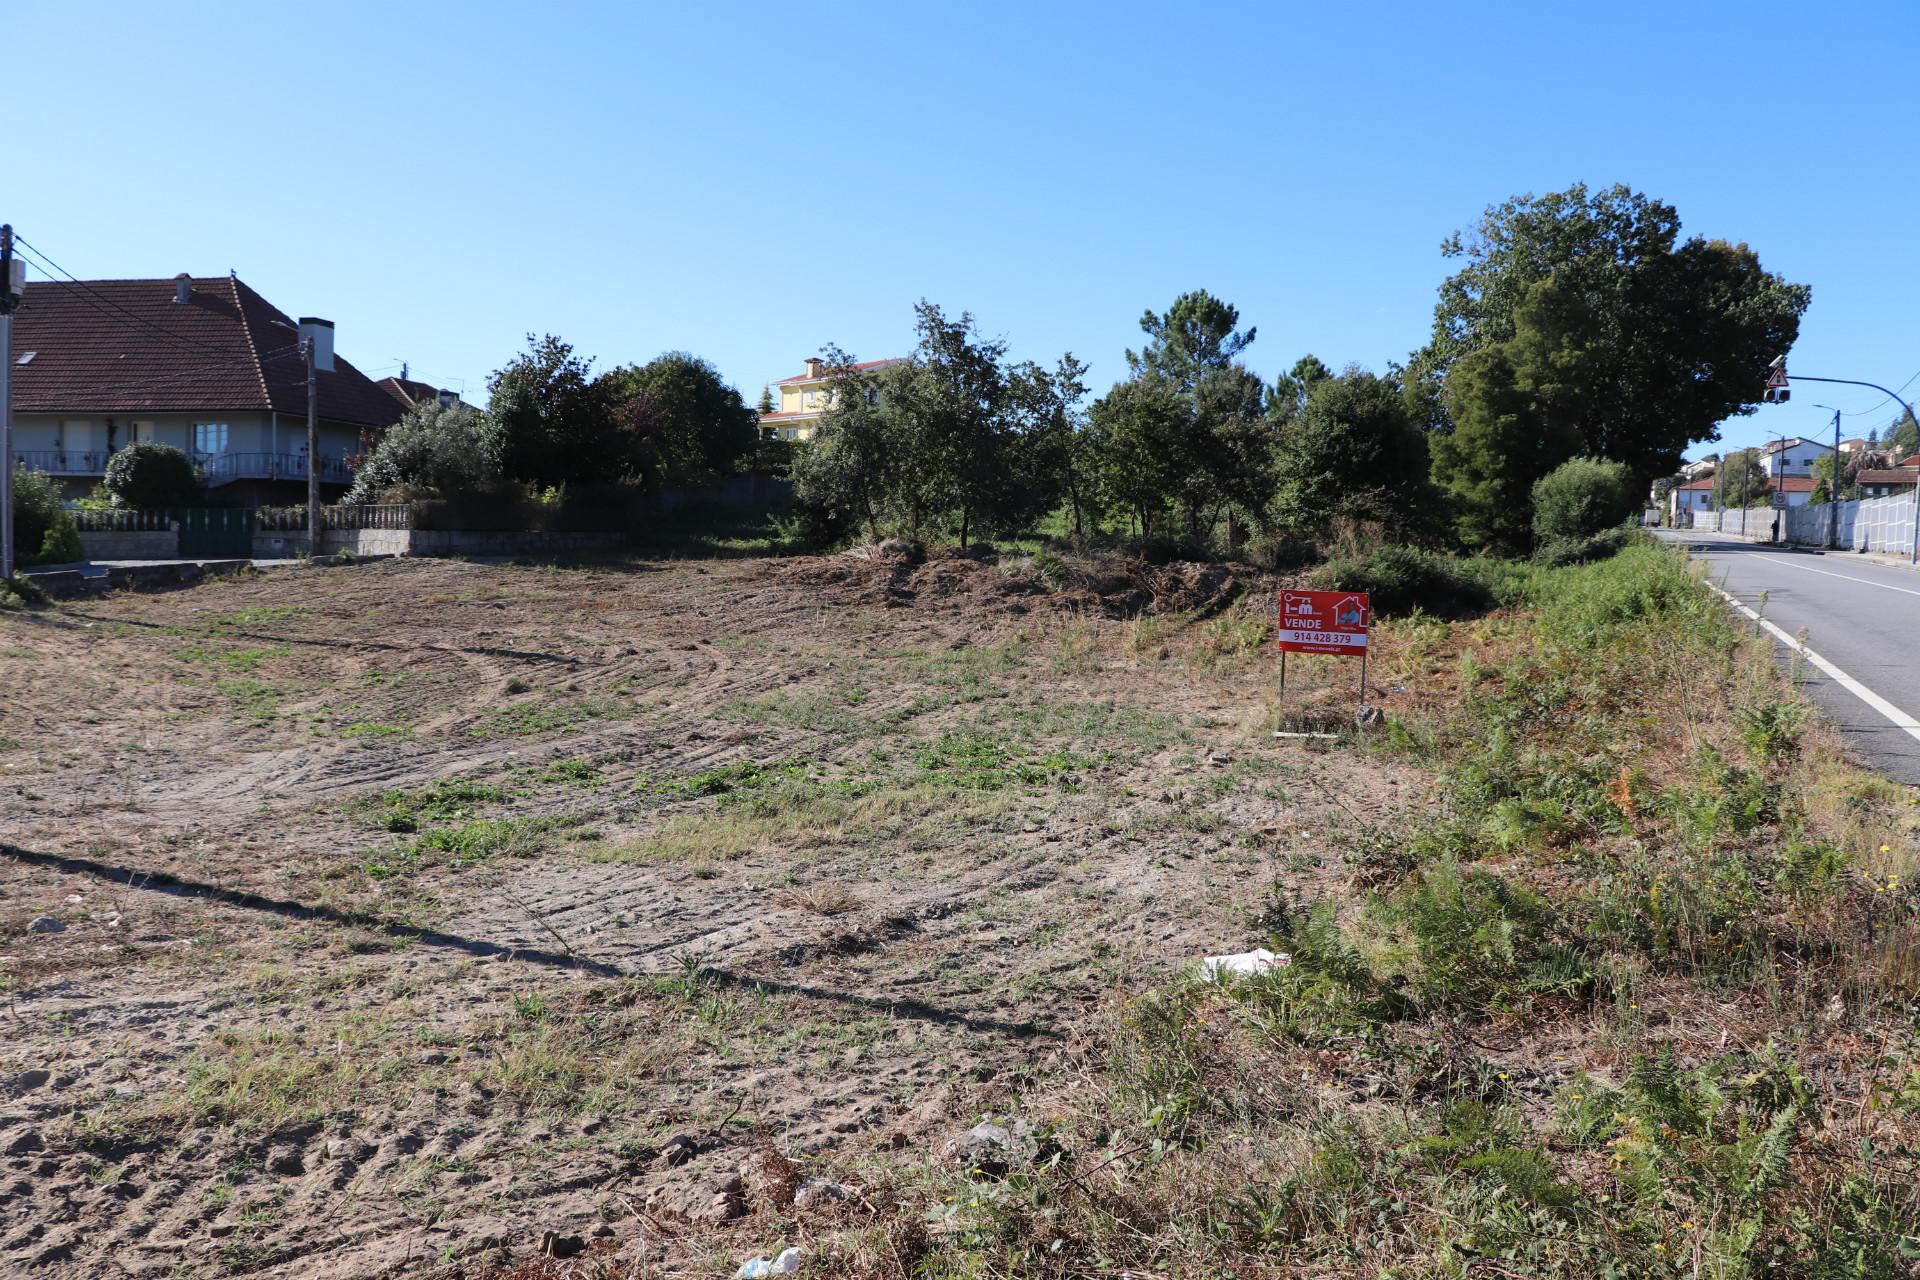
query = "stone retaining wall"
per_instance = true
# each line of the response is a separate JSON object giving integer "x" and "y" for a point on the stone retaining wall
{"x": 119, "y": 544}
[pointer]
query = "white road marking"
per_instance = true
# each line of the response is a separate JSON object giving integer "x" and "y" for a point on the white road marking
{"x": 1791, "y": 563}
{"x": 1898, "y": 718}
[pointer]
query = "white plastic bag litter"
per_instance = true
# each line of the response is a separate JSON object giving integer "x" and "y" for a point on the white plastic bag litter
{"x": 786, "y": 1264}
{"x": 1243, "y": 965}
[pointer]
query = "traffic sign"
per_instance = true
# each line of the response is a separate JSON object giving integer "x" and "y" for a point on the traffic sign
{"x": 1778, "y": 500}
{"x": 1778, "y": 378}
{"x": 1323, "y": 622}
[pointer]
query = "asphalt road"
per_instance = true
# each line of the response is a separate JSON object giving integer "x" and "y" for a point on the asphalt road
{"x": 1861, "y": 620}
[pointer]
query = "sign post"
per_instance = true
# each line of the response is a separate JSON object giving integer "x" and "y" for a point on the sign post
{"x": 1333, "y": 622}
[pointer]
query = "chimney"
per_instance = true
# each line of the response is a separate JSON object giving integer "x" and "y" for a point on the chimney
{"x": 182, "y": 287}
{"x": 446, "y": 398}
{"x": 813, "y": 366}
{"x": 320, "y": 333}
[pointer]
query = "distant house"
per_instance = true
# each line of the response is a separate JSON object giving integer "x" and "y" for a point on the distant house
{"x": 1694, "y": 496}
{"x": 410, "y": 392}
{"x": 203, "y": 363}
{"x": 802, "y": 400}
{"x": 1798, "y": 489}
{"x": 1793, "y": 456}
{"x": 1879, "y": 482}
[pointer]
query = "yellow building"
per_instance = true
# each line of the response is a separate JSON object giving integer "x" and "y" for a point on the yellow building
{"x": 800, "y": 402}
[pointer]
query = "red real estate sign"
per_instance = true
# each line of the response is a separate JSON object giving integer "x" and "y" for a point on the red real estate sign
{"x": 1324, "y": 622}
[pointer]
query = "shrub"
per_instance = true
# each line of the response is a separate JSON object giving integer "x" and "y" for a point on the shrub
{"x": 150, "y": 474}
{"x": 60, "y": 545}
{"x": 36, "y": 508}
{"x": 434, "y": 451}
{"x": 1560, "y": 552}
{"x": 1581, "y": 497}
{"x": 1401, "y": 578}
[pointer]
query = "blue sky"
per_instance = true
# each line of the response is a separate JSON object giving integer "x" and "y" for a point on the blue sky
{"x": 750, "y": 181}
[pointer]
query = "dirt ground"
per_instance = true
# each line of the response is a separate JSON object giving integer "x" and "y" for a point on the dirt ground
{"x": 418, "y": 917}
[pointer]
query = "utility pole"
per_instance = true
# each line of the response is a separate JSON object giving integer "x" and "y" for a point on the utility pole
{"x": 12, "y": 277}
{"x": 1833, "y": 489}
{"x": 1746, "y": 474}
{"x": 313, "y": 452}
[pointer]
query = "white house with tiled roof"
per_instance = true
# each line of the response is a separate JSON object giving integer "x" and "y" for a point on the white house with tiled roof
{"x": 200, "y": 362}
{"x": 801, "y": 401}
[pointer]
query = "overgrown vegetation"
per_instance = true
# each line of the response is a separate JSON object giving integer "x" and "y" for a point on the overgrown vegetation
{"x": 1635, "y": 999}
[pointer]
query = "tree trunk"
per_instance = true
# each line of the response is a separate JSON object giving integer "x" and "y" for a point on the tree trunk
{"x": 966, "y": 515}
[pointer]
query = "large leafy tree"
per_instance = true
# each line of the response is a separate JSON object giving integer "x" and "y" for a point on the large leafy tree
{"x": 559, "y": 425}
{"x": 1645, "y": 343}
{"x": 696, "y": 428}
{"x": 1354, "y": 452}
{"x": 955, "y": 437}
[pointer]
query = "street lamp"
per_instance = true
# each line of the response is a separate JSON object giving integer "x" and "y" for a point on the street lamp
{"x": 1777, "y": 383}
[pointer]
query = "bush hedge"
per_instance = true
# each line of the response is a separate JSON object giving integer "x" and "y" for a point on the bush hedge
{"x": 148, "y": 474}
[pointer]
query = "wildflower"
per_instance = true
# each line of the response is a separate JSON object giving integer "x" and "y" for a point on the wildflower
{"x": 1885, "y": 847}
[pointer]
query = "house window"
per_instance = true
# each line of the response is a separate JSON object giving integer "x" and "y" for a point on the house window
{"x": 209, "y": 437}
{"x": 809, "y": 399}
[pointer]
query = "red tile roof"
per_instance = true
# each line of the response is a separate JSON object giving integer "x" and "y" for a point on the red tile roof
{"x": 825, "y": 373}
{"x": 1705, "y": 482}
{"x": 125, "y": 346}
{"x": 1887, "y": 475}
{"x": 408, "y": 391}
{"x": 1792, "y": 484}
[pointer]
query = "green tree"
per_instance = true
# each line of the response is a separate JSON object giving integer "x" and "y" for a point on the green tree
{"x": 1054, "y": 433}
{"x": 434, "y": 451}
{"x": 1741, "y": 480}
{"x": 148, "y": 474}
{"x": 1140, "y": 436}
{"x": 1232, "y": 444}
{"x": 558, "y": 425}
{"x": 1290, "y": 389}
{"x": 1904, "y": 434}
{"x": 1648, "y": 343}
{"x": 1582, "y": 497}
{"x": 1498, "y": 449}
{"x": 1197, "y": 333}
{"x": 845, "y": 477}
{"x": 952, "y": 437}
{"x": 1355, "y": 453}
{"x": 696, "y": 429}
{"x": 1823, "y": 468}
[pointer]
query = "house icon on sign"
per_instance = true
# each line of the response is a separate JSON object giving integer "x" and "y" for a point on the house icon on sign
{"x": 1350, "y": 612}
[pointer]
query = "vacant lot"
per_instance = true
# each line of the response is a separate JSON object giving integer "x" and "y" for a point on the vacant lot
{"x": 434, "y": 918}
{"x": 415, "y": 909}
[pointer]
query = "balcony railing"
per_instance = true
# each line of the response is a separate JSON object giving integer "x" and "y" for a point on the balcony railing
{"x": 225, "y": 468}
{"x": 216, "y": 468}
{"x": 63, "y": 462}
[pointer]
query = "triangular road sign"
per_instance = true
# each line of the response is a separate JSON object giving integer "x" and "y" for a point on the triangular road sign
{"x": 1778, "y": 378}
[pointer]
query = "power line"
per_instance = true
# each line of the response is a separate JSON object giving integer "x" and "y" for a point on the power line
{"x": 88, "y": 292}
{"x": 1876, "y": 408}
